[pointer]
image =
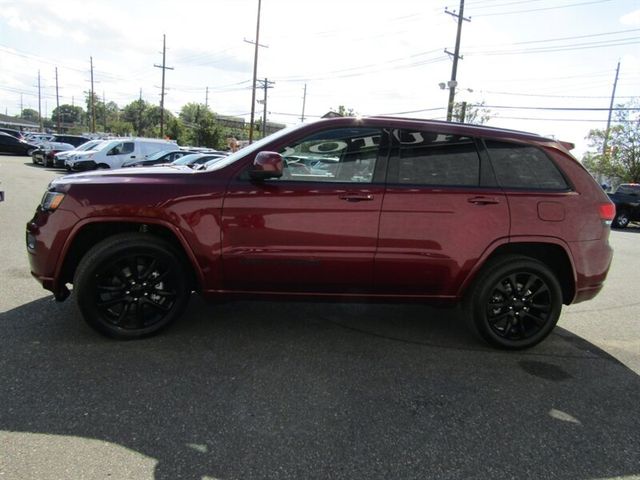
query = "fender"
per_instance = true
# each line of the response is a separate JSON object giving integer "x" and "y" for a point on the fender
{"x": 493, "y": 247}
{"x": 141, "y": 220}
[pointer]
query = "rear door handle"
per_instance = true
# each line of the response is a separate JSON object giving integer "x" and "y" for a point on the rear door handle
{"x": 483, "y": 200}
{"x": 356, "y": 197}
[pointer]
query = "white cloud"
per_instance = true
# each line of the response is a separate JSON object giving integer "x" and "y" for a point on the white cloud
{"x": 632, "y": 18}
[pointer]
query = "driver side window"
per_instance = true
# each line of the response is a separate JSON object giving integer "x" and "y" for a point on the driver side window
{"x": 337, "y": 155}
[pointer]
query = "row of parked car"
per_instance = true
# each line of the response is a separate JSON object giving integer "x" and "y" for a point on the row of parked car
{"x": 80, "y": 153}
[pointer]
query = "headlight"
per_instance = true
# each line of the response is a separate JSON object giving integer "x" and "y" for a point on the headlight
{"x": 51, "y": 201}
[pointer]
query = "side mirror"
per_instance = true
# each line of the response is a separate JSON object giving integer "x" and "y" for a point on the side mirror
{"x": 267, "y": 165}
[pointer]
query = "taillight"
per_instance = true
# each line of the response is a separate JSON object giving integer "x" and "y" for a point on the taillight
{"x": 607, "y": 212}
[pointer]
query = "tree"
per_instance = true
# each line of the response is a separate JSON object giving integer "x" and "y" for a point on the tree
{"x": 70, "y": 115}
{"x": 344, "y": 111}
{"x": 30, "y": 115}
{"x": 476, "y": 114}
{"x": 621, "y": 159}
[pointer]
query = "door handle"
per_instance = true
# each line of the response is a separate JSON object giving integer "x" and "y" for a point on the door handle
{"x": 356, "y": 197}
{"x": 483, "y": 200}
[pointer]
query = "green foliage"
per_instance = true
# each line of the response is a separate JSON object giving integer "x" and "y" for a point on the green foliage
{"x": 473, "y": 114}
{"x": 30, "y": 115}
{"x": 344, "y": 111}
{"x": 70, "y": 115}
{"x": 621, "y": 158}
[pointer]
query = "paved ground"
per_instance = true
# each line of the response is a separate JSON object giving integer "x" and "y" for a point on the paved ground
{"x": 285, "y": 390}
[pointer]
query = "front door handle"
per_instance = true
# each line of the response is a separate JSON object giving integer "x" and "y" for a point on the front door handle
{"x": 481, "y": 200}
{"x": 356, "y": 197}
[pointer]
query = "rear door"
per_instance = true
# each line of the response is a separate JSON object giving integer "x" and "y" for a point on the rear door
{"x": 441, "y": 211}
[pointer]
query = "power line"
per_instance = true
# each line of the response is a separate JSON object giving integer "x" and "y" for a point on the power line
{"x": 542, "y": 9}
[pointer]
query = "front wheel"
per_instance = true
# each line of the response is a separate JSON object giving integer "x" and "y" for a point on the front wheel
{"x": 131, "y": 285}
{"x": 515, "y": 303}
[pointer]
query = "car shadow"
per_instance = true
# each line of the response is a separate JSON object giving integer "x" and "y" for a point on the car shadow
{"x": 308, "y": 390}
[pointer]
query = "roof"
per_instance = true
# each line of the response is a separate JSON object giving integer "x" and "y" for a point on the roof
{"x": 16, "y": 122}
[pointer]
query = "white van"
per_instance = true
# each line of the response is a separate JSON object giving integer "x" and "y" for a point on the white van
{"x": 113, "y": 153}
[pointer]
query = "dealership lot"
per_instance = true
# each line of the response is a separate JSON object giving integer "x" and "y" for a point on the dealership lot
{"x": 306, "y": 390}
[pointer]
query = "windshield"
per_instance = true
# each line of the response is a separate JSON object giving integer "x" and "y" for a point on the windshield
{"x": 250, "y": 149}
{"x": 88, "y": 145}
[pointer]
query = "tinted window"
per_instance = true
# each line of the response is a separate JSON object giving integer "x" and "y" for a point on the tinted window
{"x": 428, "y": 158}
{"x": 629, "y": 189}
{"x": 524, "y": 166}
{"x": 338, "y": 155}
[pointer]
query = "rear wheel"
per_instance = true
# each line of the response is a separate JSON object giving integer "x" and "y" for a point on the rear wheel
{"x": 131, "y": 285}
{"x": 515, "y": 303}
{"x": 621, "y": 220}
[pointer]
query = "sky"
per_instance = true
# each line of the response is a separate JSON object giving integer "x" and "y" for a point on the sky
{"x": 544, "y": 66}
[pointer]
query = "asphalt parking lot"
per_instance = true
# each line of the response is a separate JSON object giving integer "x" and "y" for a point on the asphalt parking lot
{"x": 305, "y": 390}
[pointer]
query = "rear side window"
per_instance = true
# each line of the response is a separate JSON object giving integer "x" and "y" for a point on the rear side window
{"x": 427, "y": 158}
{"x": 524, "y": 166}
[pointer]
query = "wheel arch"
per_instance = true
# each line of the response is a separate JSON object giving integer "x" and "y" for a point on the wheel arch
{"x": 86, "y": 234}
{"x": 553, "y": 253}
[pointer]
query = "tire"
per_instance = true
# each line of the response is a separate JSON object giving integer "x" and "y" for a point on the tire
{"x": 621, "y": 220}
{"x": 515, "y": 302}
{"x": 131, "y": 285}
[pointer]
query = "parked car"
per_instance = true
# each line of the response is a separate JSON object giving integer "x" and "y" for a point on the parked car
{"x": 507, "y": 223}
{"x": 113, "y": 153}
{"x": 13, "y": 132}
{"x": 14, "y": 146}
{"x": 210, "y": 162}
{"x": 158, "y": 158}
{"x": 45, "y": 153}
{"x": 38, "y": 138}
{"x": 627, "y": 201}
{"x": 75, "y": 140}
{"x": 60, "y": 157}
{"x": 196, "y": 159}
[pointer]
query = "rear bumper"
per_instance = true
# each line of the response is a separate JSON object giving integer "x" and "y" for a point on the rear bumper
{"x": 592, "y": 260}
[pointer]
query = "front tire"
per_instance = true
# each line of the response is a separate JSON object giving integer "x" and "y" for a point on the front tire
{"x": 515, "y": 302}
{"x": 131, "y": 285}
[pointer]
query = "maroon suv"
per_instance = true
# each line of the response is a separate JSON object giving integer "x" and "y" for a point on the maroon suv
{"x": 508, "y": 223}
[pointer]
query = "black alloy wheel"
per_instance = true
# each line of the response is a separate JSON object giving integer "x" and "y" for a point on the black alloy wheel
{"x": 516, "y": 303}
{"x": 621, "y": 220}
{"x": 131, "y": 286}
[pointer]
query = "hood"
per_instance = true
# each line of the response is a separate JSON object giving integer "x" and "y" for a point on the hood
{"x": 121, "y": 175}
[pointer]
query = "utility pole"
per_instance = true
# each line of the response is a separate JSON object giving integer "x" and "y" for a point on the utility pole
{"x": 39, "y": 103}
{"x": 21, "y": 106}
{"x": 613, "y": 96}
{"x": 164, "y": 68}
{"x": 265, "y": 84}
{"x": 57, "y": 102}
{"x": 206, "y": 98}
{"x": 140, "y": 115}
{"x": 104, "y": 112}
{"x": 456, "y": 56}
{"x": 255, "y": 73}
{"x": 304, "y": 102}
{"x": 463, "y": 112}
{"x": 93, "y": 101}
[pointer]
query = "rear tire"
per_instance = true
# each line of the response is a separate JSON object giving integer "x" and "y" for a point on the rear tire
{"x": 131, "y": 285}
{"x": 515, "y": 302}
{"x": 621, "y": 220}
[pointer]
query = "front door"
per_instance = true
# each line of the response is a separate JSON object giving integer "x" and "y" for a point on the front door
{"x": 313, "y": 230}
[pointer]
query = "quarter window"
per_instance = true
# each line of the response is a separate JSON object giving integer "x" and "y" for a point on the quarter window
{"x": 428, "y": 158}
{"x": 524, "y": 166}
